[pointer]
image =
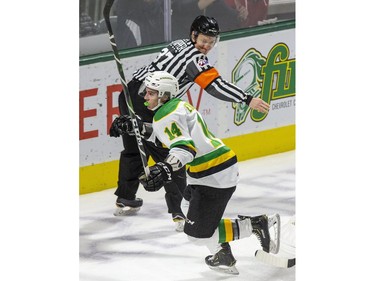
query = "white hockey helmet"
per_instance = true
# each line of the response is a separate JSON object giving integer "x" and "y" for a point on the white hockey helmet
{"x": 163, "y": 82}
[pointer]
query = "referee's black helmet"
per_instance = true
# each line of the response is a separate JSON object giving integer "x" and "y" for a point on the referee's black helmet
{"x": 205, "y": 25}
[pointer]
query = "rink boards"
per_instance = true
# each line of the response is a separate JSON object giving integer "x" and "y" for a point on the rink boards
{"x": 262, "y": 64}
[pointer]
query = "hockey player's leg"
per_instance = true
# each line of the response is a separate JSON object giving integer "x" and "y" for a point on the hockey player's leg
{"x": 185, "y": 203}
{"x": 260, "y": 226}
{"x": 206, "y": 208}
{"x": 234, "y": 229}
{"x": 173, "y": 190}
{"x": 173, "y": 198}
{"x": 223, "y": 260}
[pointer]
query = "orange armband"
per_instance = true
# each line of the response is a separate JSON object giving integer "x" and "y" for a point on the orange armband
{"x": 205, "y": 78}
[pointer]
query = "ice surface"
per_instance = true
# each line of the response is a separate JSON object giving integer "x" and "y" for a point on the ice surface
{"x": 146, "y": 246}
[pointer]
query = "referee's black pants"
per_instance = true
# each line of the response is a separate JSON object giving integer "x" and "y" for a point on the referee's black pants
{"x": 131, "y": 166}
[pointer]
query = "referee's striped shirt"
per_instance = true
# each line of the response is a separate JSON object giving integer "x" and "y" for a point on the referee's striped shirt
{"x": 182, "y": 60}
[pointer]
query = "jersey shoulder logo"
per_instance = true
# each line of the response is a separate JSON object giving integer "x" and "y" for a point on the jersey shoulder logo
{"x": 202, "y": 62}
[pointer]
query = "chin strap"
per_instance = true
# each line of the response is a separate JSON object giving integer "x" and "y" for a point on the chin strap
{"x": 156, "y": 107}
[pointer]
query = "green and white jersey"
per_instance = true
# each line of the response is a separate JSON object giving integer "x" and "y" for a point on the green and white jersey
{"x": 181, "y": 128}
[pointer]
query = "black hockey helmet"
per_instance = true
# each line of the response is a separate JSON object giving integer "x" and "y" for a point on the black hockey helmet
{"x": 205, "y": 25}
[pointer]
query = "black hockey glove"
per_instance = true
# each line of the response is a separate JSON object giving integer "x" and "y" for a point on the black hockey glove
{"x": 123, "y": 125}
{"x": 120, "y": 126}
{"x": 160, "y": 174}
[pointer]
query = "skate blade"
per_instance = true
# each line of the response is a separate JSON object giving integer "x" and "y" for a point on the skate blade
{"x": 126, "y": 211}
{"x": 225, "y": 269}
{"x": 274, "y": 222}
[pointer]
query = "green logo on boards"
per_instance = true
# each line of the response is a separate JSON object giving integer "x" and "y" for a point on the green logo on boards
{"x": 269, "y": 78}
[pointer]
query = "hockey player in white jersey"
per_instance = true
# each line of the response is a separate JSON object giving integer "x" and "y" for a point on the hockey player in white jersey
{"x": 212, "y": 175}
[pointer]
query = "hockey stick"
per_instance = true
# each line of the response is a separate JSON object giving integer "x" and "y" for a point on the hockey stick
{"x": 275, "y": 260}
{"x": 106, "y": 14}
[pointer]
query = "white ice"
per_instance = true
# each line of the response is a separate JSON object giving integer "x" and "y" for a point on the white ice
{"x": 146, "y": 246}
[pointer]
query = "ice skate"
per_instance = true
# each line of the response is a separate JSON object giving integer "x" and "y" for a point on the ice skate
{"x": 223, "y": 261}
{"x": 261, "y": 228}
{"x": 179, "y": 220}
{"x": 127, "y": 207}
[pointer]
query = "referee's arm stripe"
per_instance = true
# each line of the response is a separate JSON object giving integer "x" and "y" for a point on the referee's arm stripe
{"x": 205, "y": 78}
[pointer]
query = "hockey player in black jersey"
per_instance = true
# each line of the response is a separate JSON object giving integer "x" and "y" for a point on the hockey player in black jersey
{"x": 187, "y": 61}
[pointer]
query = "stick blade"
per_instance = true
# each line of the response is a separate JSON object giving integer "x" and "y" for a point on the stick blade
{"x": 274, "y": 260}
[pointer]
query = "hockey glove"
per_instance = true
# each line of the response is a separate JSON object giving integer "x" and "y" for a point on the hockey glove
{"x": 120, "y": 126}
{"x": 160, "y": 174}
{"x": 123, "y": 125}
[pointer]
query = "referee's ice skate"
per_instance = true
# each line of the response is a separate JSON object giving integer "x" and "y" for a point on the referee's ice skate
{"x": 223, "y": 260}
{"x": 127, "y": 207}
